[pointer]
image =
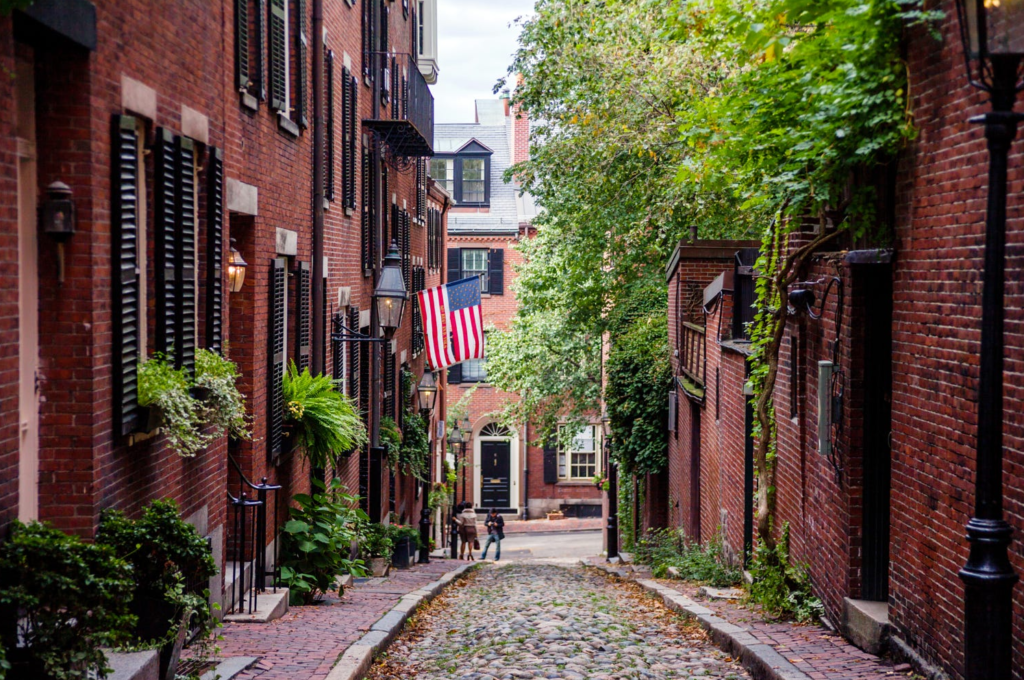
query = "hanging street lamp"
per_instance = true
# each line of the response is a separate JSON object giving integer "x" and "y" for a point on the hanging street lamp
{"x": 455, "y": 444}
{"x": 993, "y": 41}
{"x": 236, "y": 269}
{"x": 426, "y": 392}
{"x": 390, "y": 295}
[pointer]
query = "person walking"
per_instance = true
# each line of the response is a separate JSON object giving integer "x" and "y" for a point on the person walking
{"x": 495, "y": 524}
{"x": 467, "y": 532}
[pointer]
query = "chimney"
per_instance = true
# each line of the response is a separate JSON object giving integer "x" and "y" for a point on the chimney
{"x": 520, "y": 130}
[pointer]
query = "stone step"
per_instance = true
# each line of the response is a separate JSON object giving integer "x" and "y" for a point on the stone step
{"x": 269, "y": 606}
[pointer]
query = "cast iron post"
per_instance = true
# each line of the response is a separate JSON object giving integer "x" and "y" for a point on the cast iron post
{"x": 425, "y": 524}
{"x": 455, "y": 495}
{"x": 988, "y": 576}
{"x": 613, "y": 509}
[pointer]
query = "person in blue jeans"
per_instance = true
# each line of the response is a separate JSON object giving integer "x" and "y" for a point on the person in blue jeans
{"x": 495, "y": 524}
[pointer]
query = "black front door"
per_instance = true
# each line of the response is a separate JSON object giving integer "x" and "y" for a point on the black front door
{"x": 495, "y": 483}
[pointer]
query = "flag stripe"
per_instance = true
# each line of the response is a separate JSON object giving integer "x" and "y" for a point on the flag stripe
{"x": 452, "y": 336}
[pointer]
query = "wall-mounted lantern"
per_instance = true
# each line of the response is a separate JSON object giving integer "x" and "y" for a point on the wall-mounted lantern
{"x": 58, "y": 220}
{"x": 426, "y": 392}
{"x": 390, "y": 295}
{"x": 236, "y": 269}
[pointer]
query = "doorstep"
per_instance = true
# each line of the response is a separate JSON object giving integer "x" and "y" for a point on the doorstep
{"x": 866, "y": 624}
{"x": 143, "y": 665}
{"x": 269, "y": 606}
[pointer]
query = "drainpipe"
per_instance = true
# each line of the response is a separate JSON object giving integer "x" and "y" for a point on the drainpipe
{"x": 525, "y": 514}
{"x": 317, "y": 346}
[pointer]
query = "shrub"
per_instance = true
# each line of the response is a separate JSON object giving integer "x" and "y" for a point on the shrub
{"x": 328, "y": 425}
{"x": 64, "y": 599}
{"x": 402, "y": 531}
{"x": 166, "y": 553}
{"x": 316, "y": 542}
{"x": 695, "y": 562}
{"x": 166, "y": 389}
{"x": 375, "y": 541}
{"x": 224, "y": 406}
{"x": 782, "y": 588}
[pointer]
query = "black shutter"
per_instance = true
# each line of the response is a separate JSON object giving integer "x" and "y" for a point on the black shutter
{"x": 389, "y": 383}
{"x": 550, "y": 464}
{"x": 368, "y": 13}
{"x": 496, "y": 272}
{"x": 367, "y": 214}
{"x": 126, "y": 306}
{"x": 278, "y": 66}
{"x": 302, "y": 316}
{"x": 327, "y": 328}
{"x": 166, "y": 247}
{"x": 302, "y": 57}
{"x": 421, "y": 189}
{"x": 215, "y": 250}
{"x": 744, "y": 296}
{"x": 353, "y": 358}
{"x": 454, "y": 264}
{"x": 418, "y": 284}
{"x": 186, "y": 309}
{"x": 352, "y": 128}
{"x": 275, "y": 372}
{"x": 455, "y": 374}
{"x": 329, "y": 142}
{"x": 405, "y": 98}
{"x": 258, "y": 49}
{"x": 242, "y": 44}
{"x": 406, "y": 247}
{"x": 396, "y": 226}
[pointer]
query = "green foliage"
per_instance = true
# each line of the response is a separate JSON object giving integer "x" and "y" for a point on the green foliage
{"x": 316, "y": 542}
{"x": 328, "y": 425}
{"x": 414, "y": 453}
{"x": 625, "y": 506}
{"x": 64, "y": 599}
{"x": 639, "y": 378}
{"x": 398, "y": 532}
{"x": 391, "y": 439}
{"x": 166, "y": 389}
{"x": 225, "y": 405}
{"x": 6, "y": 8}
{"x": 439, "y": 497}
{"x": 782, "y": 588}
{"x": 165, "y": 553}
{"x": 705, "y": 563}
{"x": 375, "y": 540}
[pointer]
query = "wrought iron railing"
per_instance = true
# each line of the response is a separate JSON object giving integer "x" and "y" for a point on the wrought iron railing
{"x": 405, "y": 124}
{"x": 249, "y": 529}
{"x": 693, "y": 352}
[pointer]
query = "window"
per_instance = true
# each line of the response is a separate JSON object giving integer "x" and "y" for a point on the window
{"x": 578, "y": 459}
{"x": 443, "y": 172}
{"x": 474, "y": 370}
{"x": 473, "y": 181}
{"x": 474, "y": 261}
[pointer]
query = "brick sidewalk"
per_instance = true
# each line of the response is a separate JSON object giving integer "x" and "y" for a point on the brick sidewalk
{"x": 812, "y": 648}
{"x": 305, "y": 643}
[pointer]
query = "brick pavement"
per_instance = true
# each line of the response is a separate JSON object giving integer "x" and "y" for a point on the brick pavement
{"x": 812, "y": 648}
{"x": 305, "y": 643}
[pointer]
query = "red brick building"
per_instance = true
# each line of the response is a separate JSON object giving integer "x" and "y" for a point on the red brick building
{"x": 488, "y": 218}
{"x": 875, "y": 400}
{"x": 172, "y": 161}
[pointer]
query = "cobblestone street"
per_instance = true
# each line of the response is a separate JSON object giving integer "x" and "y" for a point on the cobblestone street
{"x": 542, "y": 621}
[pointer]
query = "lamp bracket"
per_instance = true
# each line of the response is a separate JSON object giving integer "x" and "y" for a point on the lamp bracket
{"x": 346, "y": 334}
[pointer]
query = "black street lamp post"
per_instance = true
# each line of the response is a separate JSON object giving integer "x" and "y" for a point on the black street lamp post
{"x": 994, "y": 47}
{"x": 613, "y": 492}
{"x": 455, "y": 443}
{"x": 426, "y": 394}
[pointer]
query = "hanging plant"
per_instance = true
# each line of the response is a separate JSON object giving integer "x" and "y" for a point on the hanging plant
{"x": 414, "y": 453}
{"x": 166, "y": 389}
{"x": 327, "y": 424}
{"x": 224, "y": 404}
{"x": 391, "y": 439}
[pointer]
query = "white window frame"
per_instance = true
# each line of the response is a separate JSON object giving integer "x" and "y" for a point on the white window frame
{"x": 566, "y": 453}
{"x": 448, "y": 183}
{"x": 485, "y": 273}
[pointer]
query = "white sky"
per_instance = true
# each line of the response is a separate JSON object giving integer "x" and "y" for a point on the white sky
{"x": 475, "y": 46}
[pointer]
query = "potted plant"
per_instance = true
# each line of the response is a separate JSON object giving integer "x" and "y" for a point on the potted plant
{"x": 166, "y": 554}
{"x": 406, "y": 540}
{"x": 375, "y": 545}
{"x": 216, "y": 386}
{"x": 61, "y": 601}
{"x": 165, "y": 392}
{"x": 326, "y": 424}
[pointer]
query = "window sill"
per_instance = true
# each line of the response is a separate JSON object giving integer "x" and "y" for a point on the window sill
{"x": 575, "y": 482}
{"x": 248, "y": 101}
{"x": 286, "y": 124}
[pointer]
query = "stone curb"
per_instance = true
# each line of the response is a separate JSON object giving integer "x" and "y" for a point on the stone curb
{"x": 763, "y": 662}
{"x": 356, "y": 660}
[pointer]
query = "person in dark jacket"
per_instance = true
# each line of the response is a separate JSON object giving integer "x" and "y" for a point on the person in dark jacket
{"x": 495, "y": 524}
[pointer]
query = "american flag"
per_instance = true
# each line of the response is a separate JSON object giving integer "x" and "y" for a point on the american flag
{"x": 453, "y": 323}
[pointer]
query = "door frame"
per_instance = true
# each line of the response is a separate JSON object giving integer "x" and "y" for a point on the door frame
{"x": 514, "y": 465}
{"x": 497, "y": 440}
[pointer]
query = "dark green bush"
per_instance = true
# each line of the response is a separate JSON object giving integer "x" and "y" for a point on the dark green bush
{"x": 316, "y": 542}
{"x": 166, "y": 554}
{"x": 66, "y": 599}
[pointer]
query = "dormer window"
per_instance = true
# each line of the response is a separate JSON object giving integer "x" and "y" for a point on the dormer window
{"x": 465, "y": 174}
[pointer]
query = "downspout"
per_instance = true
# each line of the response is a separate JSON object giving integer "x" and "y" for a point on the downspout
{"x": 317, "y": 346}
{"x": 525, "y": 513}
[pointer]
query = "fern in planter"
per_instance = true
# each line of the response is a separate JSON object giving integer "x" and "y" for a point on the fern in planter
{"x": 327, "y": 425}
{"x": 224, "y": 404}
{"x": 167, "y": 390}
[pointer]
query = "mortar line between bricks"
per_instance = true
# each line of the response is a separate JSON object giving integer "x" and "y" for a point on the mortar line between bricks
{"x": 355, "y": 661}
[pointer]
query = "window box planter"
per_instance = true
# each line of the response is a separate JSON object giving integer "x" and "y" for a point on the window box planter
{"x": 556, "y": 515}
{"x": 200, "y": 393}
{"x": 151, "y": 418}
